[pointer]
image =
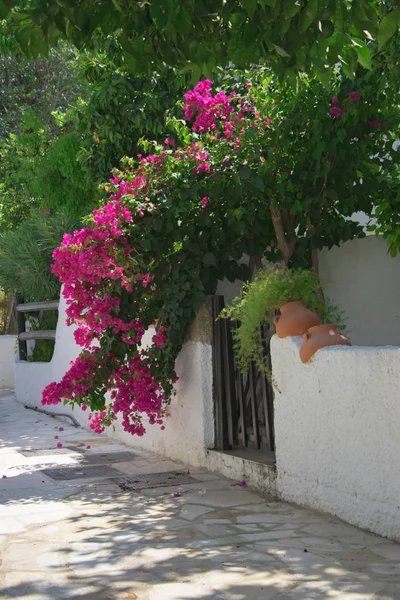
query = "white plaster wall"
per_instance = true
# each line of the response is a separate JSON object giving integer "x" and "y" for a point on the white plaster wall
{"x": 8, "y": 346}
{"x": 337, "y": 432}
{"x": 364, "y": 280}
{"x": 189, "y": 429}
{"x": 32, "y": 377}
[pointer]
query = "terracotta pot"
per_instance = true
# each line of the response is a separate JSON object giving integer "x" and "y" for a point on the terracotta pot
{"x": 320, "y": 337}
{"x": 295, "y": 319}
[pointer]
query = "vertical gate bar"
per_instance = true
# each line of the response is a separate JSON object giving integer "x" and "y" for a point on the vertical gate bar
{"x": 269, "y": 387}
{"x": 22, "y": 346}
{"x": 253, "y": 407}
{"x": 218, "y": 385}
{"x": 239, "y": 392}
{"x": 229, "y": 382}
{"x": 264, "y": 391}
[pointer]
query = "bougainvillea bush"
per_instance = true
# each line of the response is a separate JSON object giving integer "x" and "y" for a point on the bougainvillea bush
{"x": 254, "y": 169}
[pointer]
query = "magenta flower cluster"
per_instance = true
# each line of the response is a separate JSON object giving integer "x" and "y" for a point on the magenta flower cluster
{"x": 205, "y": 108}
{"x": 335, "y": 110}
{"x": 90, "y": 263}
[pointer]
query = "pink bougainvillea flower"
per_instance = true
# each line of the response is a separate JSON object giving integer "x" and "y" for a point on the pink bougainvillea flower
{"x": 336, "y": 111}
{"x": 374, "y": 124}
{"x": 87, "y": 447}
{"x": 204, "y": 202}
{"x": 335, "y": 100}
{"x": 61, "y": 429}
{"x": 354, "y": 96}
{"x": 177, "y": 494}
{"x": 56, "y": 437}
{"x": 59, "y": 445}
{"x": 248, "y": 85}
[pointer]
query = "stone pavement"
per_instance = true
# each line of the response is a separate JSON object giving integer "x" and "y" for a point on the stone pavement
{"x": 100, "y": 538}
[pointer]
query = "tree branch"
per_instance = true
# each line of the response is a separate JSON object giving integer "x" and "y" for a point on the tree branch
{"x": 287, "y": 248}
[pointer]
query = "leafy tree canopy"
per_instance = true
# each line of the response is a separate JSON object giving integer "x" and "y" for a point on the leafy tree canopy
{"x": 288, "y": 35}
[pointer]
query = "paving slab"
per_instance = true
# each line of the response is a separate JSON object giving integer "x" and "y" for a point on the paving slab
{"x": 200, "y": 538}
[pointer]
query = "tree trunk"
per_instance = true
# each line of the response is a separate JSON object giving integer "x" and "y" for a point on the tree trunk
{"x": 286, "y": 247}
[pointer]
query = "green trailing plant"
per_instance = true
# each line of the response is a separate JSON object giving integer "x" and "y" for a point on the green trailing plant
{"x": 259, "y": 300}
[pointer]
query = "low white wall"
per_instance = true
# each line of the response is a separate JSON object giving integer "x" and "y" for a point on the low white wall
{"x": 32, "y": 377}
{"x": 189, "y": 429}
{"x": 337, "y": 432}
{"x": 8, "y": 347}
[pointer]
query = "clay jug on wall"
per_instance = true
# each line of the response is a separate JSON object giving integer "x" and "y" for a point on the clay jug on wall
{"x": 295, "y": 319}
{"x": 320, "y": 337}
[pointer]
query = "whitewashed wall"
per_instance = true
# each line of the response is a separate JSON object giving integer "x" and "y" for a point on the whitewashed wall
{"x": 189, "y": 429}
{"x": 8, "y": 346}
{"x": 337, "y": 432}
{"x": 364, "y": 280}
{"x": 32, "y": 377}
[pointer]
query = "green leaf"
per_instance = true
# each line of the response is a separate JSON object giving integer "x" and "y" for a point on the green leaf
{"x": 308, "y": 15}
{"x": 290, "y": 8}
{"x": 388, "y": 27}
{"x": 117, "y": 6}
{"x": 37, "y": 43}
{"x": 363, "y": 53}
{"x": 4, "y": 10}
{"x": 249, "y": 6}
{"x": 270, "y": 3}
{"x": 280, "y": 51}
{"x": 209, "y": 259}
{"x": 327, "y": 28}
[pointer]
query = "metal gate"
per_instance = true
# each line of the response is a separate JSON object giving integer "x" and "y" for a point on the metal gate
{"x": 243, "y": 403}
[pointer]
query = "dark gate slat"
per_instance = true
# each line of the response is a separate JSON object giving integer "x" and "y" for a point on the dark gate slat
{"x": 241, "y": 423}
{"x": 269, "y": 417}
{"x": 22, "y": 345}
{"x": 229, "y": 381}
{"x": 253, "y": 407}
{"x": 264, "y": 403}
{"x": 218, "y": 376}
